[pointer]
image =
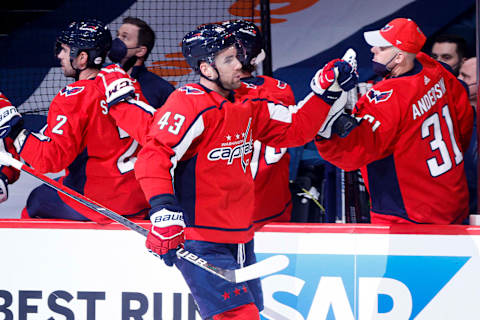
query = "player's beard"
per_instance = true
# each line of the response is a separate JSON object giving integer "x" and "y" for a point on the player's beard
{"x": 233, "y": 84}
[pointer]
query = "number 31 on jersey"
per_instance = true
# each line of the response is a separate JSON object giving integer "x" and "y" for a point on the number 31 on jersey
{"x": 174, "y": 125}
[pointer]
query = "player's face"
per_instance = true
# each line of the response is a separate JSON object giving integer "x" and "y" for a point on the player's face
{"x": 64, "y": 57}
{"x": 446, "y": 52}
{"x": 383, "y": 55}
{"x": 229, "y": 68}
{"x": 468, "y": 73}
{"x": 128, "y": 33}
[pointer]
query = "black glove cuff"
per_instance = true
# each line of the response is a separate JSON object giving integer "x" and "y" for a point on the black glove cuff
{"x": 163, "y": 199}
{"x": 3, "y": 177}
{"x": 16, "y": 129}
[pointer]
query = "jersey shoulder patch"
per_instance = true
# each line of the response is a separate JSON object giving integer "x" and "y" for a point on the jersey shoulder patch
{"x": 71, "y": 90}
{"x": 190, "y": 90}
{"x": 376, "y": 95}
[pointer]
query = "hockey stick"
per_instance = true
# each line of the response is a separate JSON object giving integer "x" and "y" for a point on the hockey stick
{"x": 352, "y": 203}
{"x": 253, "y": 271}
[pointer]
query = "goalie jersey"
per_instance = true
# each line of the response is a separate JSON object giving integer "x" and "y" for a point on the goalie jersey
{"x": 269, "y": 165}
{"x": 98, "y": 157}
{"x": 410, "y": 142}
{"x": 200, "y": 147}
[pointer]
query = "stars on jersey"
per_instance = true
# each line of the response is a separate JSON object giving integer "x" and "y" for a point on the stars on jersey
{"x": 236, "y": 292}
{"x": 71, "y": 91}
{"x": 379, "y": 96}
{"x": 237, "y": 136}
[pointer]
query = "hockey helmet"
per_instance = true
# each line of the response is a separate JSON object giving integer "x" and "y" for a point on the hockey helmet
{"x": 91, "y": 36}
{"x": 203, "y": 43}
{"x": 250, "y": 39}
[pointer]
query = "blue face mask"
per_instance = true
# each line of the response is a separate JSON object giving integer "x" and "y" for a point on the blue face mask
{"x": 381, "y": 69}
{"x": 118, "y": 51}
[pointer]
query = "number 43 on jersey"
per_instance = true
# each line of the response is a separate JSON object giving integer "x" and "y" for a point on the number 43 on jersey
{"x": 173, "y": 125}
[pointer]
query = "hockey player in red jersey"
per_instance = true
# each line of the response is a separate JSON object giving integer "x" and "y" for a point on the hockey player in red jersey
{"x": 414, "y": 128}
{"x": 195, "y": 165}
{"x": 269, "y": 165}
{"x": 8, "y": 175}
{"x": 80, "y": 137}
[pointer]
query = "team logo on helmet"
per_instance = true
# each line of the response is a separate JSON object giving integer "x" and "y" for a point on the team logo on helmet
{"x": 386, "y": 28}
{"x": 379, "y": 96}
{"x": 204, "y": 43}
{"x": 71, "y": 91}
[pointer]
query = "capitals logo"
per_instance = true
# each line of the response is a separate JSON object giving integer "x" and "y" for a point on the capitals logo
{"x": 386, "y": 28}
{"x": 281, "y": 84}
{"x": 71, "y": 91}
{"x": 232, "y": 150}
{"x": 379, "y": 96}
{"x": 191, "y": 90}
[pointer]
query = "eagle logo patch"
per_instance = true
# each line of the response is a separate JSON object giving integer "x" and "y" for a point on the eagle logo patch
{"x": 71, "y": 91}
{"x": 191, "y": 90}
{"x": 379, "y": 96}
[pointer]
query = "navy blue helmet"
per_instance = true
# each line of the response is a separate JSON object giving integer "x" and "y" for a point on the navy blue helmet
{"x": 91, "y": 36}
{"x": 203, "y": 43}
{"x": 250, "y": 38}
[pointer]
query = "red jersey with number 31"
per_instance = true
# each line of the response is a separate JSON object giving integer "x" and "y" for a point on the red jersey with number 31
{"x": 410, "y": 144}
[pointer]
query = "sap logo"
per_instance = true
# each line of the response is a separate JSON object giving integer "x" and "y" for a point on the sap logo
{"x": 71, "y": 91}
{"x": 191, "y": 90}
{"x": 364, "y": 287}
{"x": 379, "y": 96}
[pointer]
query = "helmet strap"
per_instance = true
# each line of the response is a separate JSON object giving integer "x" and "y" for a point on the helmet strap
{"x": 77, "y": 71}
{"x": 217, "y": 80}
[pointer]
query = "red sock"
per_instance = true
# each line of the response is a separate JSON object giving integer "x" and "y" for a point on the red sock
{"x": 245, "y": 312}
{"x": 24, "y": 214}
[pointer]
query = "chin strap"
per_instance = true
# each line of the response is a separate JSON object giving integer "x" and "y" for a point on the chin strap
{"x": 217, "y": 81}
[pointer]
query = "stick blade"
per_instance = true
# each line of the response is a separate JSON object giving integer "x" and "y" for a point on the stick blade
{"x": 260, "y": 269}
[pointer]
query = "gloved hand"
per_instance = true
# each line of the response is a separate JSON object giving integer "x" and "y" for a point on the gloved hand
{"x": 3, "y": 188}
{"x": 344, "y": 124}
{"x": 334, "y": 78}
{"x": 331, "y": 83}
{"x": 11, "y": 122}
{"x": 116, "y": 83}
{"x": 166, "y": 234}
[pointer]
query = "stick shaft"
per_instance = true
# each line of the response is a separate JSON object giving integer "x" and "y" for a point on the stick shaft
{"x": 232, "y": 275}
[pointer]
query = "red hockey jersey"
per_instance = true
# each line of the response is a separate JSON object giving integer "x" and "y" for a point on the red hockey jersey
{"x": 6, "y": 145}
{"x": 200, "y": 147}
{"x": 269, "y": 165}
{"x": 410, "y": 144}
{"x": 83, "y": 139}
